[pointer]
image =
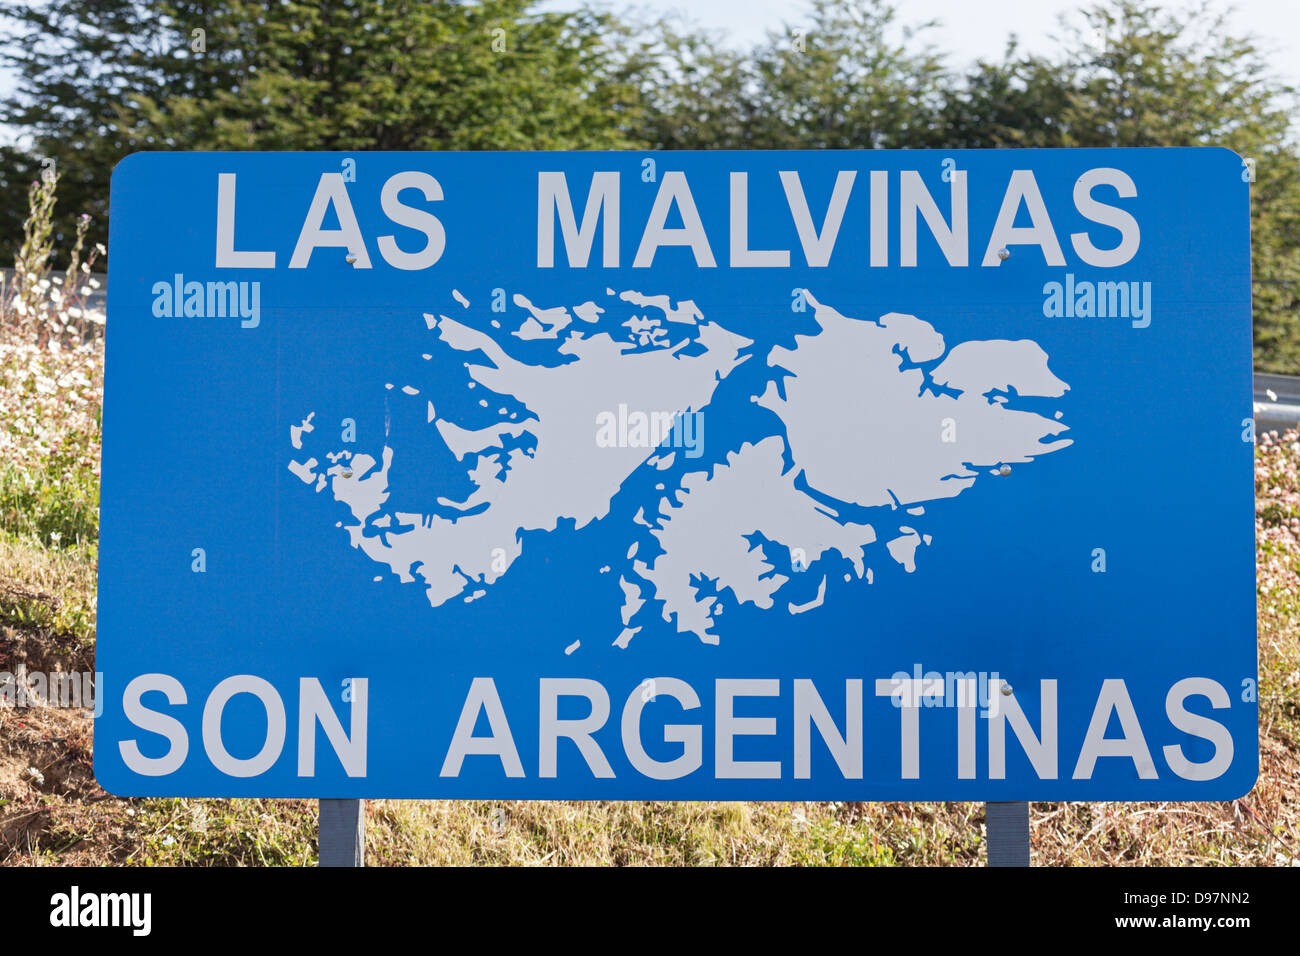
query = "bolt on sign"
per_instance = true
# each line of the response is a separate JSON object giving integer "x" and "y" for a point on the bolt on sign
{"x": 738, "y": 475}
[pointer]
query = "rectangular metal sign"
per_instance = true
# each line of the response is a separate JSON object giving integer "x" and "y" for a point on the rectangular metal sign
{"x": 693, "y": 475}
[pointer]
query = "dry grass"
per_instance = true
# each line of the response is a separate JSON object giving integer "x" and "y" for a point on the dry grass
{"x": 48, "y": 590}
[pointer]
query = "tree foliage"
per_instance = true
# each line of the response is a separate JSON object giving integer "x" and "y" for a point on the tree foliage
{"x": 1132, "y": 74}
{"x": 850, "y": 78}
{"x": 101, "y": 78}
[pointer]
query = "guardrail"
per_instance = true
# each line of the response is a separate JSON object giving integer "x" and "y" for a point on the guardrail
{"x": 98, "y": 299}
{"x": 1277, "y": 402}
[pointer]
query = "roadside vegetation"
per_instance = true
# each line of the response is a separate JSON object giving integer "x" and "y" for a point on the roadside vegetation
{"x": 53, "y": 812}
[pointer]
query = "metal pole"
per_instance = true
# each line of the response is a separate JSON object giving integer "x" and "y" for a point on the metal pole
{"x": 342, "y": 833}
{"x": 1007, "y": 826}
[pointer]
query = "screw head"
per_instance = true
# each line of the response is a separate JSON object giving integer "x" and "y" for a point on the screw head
{"x": 1006, "y": 689}
{"x": 1004, "y": 253}
{"x": 1004, "y": 470}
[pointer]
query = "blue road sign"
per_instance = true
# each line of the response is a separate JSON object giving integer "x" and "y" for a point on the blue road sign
{"x": 726, "y": 475}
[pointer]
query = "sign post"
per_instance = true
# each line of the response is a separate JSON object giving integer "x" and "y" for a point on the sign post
{"x": 1007, "y": 833}
{"x": 688, "y": 475}
{"x": 342, "y": 833}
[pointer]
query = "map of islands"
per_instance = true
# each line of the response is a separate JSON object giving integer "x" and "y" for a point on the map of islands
{"x": 871, "y": 419}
